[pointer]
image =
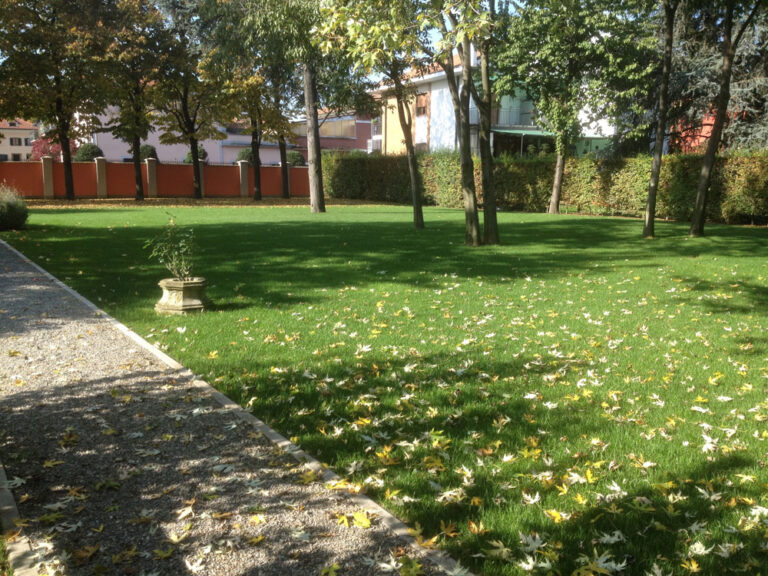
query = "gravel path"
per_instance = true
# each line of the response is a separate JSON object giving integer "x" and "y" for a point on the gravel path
{"x": 122, "y": 463}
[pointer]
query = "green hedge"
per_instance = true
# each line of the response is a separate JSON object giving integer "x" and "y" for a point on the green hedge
{"x": 739, "y": 191}
{"x": 13, "y": 209}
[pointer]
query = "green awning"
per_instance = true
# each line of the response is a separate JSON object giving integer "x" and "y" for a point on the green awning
{"x": 521, "y": 132}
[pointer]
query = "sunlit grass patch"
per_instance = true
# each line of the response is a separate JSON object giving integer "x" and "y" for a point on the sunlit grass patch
{"x": 577, "y": 399}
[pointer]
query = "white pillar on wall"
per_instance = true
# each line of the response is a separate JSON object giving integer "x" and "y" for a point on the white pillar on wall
{"x": 101, "y": 177}
{"x": 151, "y": 177}
{"x": 46, "y": 163}
{"x": 244, "y": 167}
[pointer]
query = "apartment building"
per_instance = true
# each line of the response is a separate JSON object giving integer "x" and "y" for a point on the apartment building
{"x": 513, "y": 123}
{"x": 16, "y": 137}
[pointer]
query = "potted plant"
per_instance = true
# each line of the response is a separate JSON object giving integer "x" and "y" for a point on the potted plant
{"x": 174, "y": 248}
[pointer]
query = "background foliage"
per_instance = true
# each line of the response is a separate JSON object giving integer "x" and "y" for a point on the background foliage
{"x": 592, "y": 186}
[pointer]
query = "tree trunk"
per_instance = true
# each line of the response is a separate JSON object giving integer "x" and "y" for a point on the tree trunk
{"x": 661, "y": 122}
{"x": 406, "y": 124}
{"x": 66, "y": 156}
{"x": 460, "y": 100}
{"x": 284, "y": 167}
{"x": 314, "y": 160}
{"x": 490, "y": 220}
{"x": 136, "y": 155}
{"x": 471, "y": 219}
{"x": 197, "y": 189}
{"x": 256, "y": 164}
{"x": 557, "y": 186}
{"x": 730, "y": 44}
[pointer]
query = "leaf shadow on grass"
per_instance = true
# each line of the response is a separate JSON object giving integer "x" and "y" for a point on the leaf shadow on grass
{"x": 291, "y": 261}
{"x": 661, "y": 523}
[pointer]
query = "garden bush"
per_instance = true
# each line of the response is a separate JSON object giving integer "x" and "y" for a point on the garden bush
{"x": 13, "y": 209}
{"x": 245, "y": 154}
{"x": 738, "y": 193}
{"x": 87, "y": 153}
{"x": 294, "y": 158}
{"x": 202, "y": 155}
{"x": 147, "y": 151}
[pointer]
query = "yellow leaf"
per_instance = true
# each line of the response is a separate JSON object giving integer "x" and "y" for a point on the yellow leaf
{"x": 691, "y": 565}
{"x": 449, "y": 529}
{"x": 256, "y": 540}
{"x": 124, "y": 556}
{"x": 309, "y": 476}
{"x": 84, "y": 554}
{"x": 164, "y": 554}
{"x": 476, "y": 528}
{"x": 361, "y": 520}
{"x": 257, "y": 519}
{"x": 558, "y": 517}
{"x": 174, "y": 538}
{"x": 221, "y": 515}
{"x": 342, "y": 520}
{"x": 52, "y": 463}
{"x": 330, "y": 570}
{"x": 416, "y": 530}
{"x": 212, "y": 355}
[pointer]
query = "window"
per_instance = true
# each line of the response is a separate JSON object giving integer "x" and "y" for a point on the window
{"x": 3, "y": 157}
{"x": 13, "y": 123}
{"x": 15, "y": 141}
{"x": 27, "y": 141}
{"x": 16, "y": 157}
{"x": 421, "y": 105}
{"x": 338, "y": 128}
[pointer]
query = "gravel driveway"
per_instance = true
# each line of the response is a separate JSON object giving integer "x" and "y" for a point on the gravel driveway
{"x": 120, "y": 462}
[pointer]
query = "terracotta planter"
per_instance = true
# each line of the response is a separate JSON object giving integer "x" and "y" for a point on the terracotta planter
{"x": 182, "y": 296}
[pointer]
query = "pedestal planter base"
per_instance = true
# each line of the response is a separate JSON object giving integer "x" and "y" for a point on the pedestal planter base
{"x": 181, "y": 296}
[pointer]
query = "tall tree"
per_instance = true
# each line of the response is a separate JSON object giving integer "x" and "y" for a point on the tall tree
{"x": 188, "y": 103}
{"x": 727, "y": 20}
{"x": 294, "y": 21}
{"x": 252, "y": 64}
{"x": 669, "y": 8}
{"x": 133, "y": 58}
{"x": 487, "y": 25}
{"x": 577, "y": 59}
{"x": 383, "y": 39}
{"x": 51, "y": 67}
{"x": 445, "y": 19}
{"x": 297, "y": 22}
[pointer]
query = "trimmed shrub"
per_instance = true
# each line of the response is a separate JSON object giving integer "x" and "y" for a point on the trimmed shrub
{"x": 13, "y": 209}
{"x": 738, "y": 193}
{"x": 245, "y": 154}
{"x": 87, "y": 153}
{"x": 294, "y": 158}
{"x": 147, "y": 151}
{"x": 202, "y": 155}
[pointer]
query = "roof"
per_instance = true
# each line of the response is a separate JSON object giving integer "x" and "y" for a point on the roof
{"x": 521, "y": 131}
{"x": 21, "y": 124}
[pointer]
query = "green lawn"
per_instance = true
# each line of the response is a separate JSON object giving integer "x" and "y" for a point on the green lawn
{"x": 576, "y": 398}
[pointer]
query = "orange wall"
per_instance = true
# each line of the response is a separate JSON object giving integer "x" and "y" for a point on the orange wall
{"x": 299, "y": 181}
{"x": 121, "y": 183}
{"x": 83, "y": 178}
{"x": 271, "y": 181}
{"x": 221, "y": 181}
{"x": 173, "y": 180}
{"x": 25, "y": 177}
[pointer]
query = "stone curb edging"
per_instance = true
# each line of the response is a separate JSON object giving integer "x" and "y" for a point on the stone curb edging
{"x": 20, "y": 553}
